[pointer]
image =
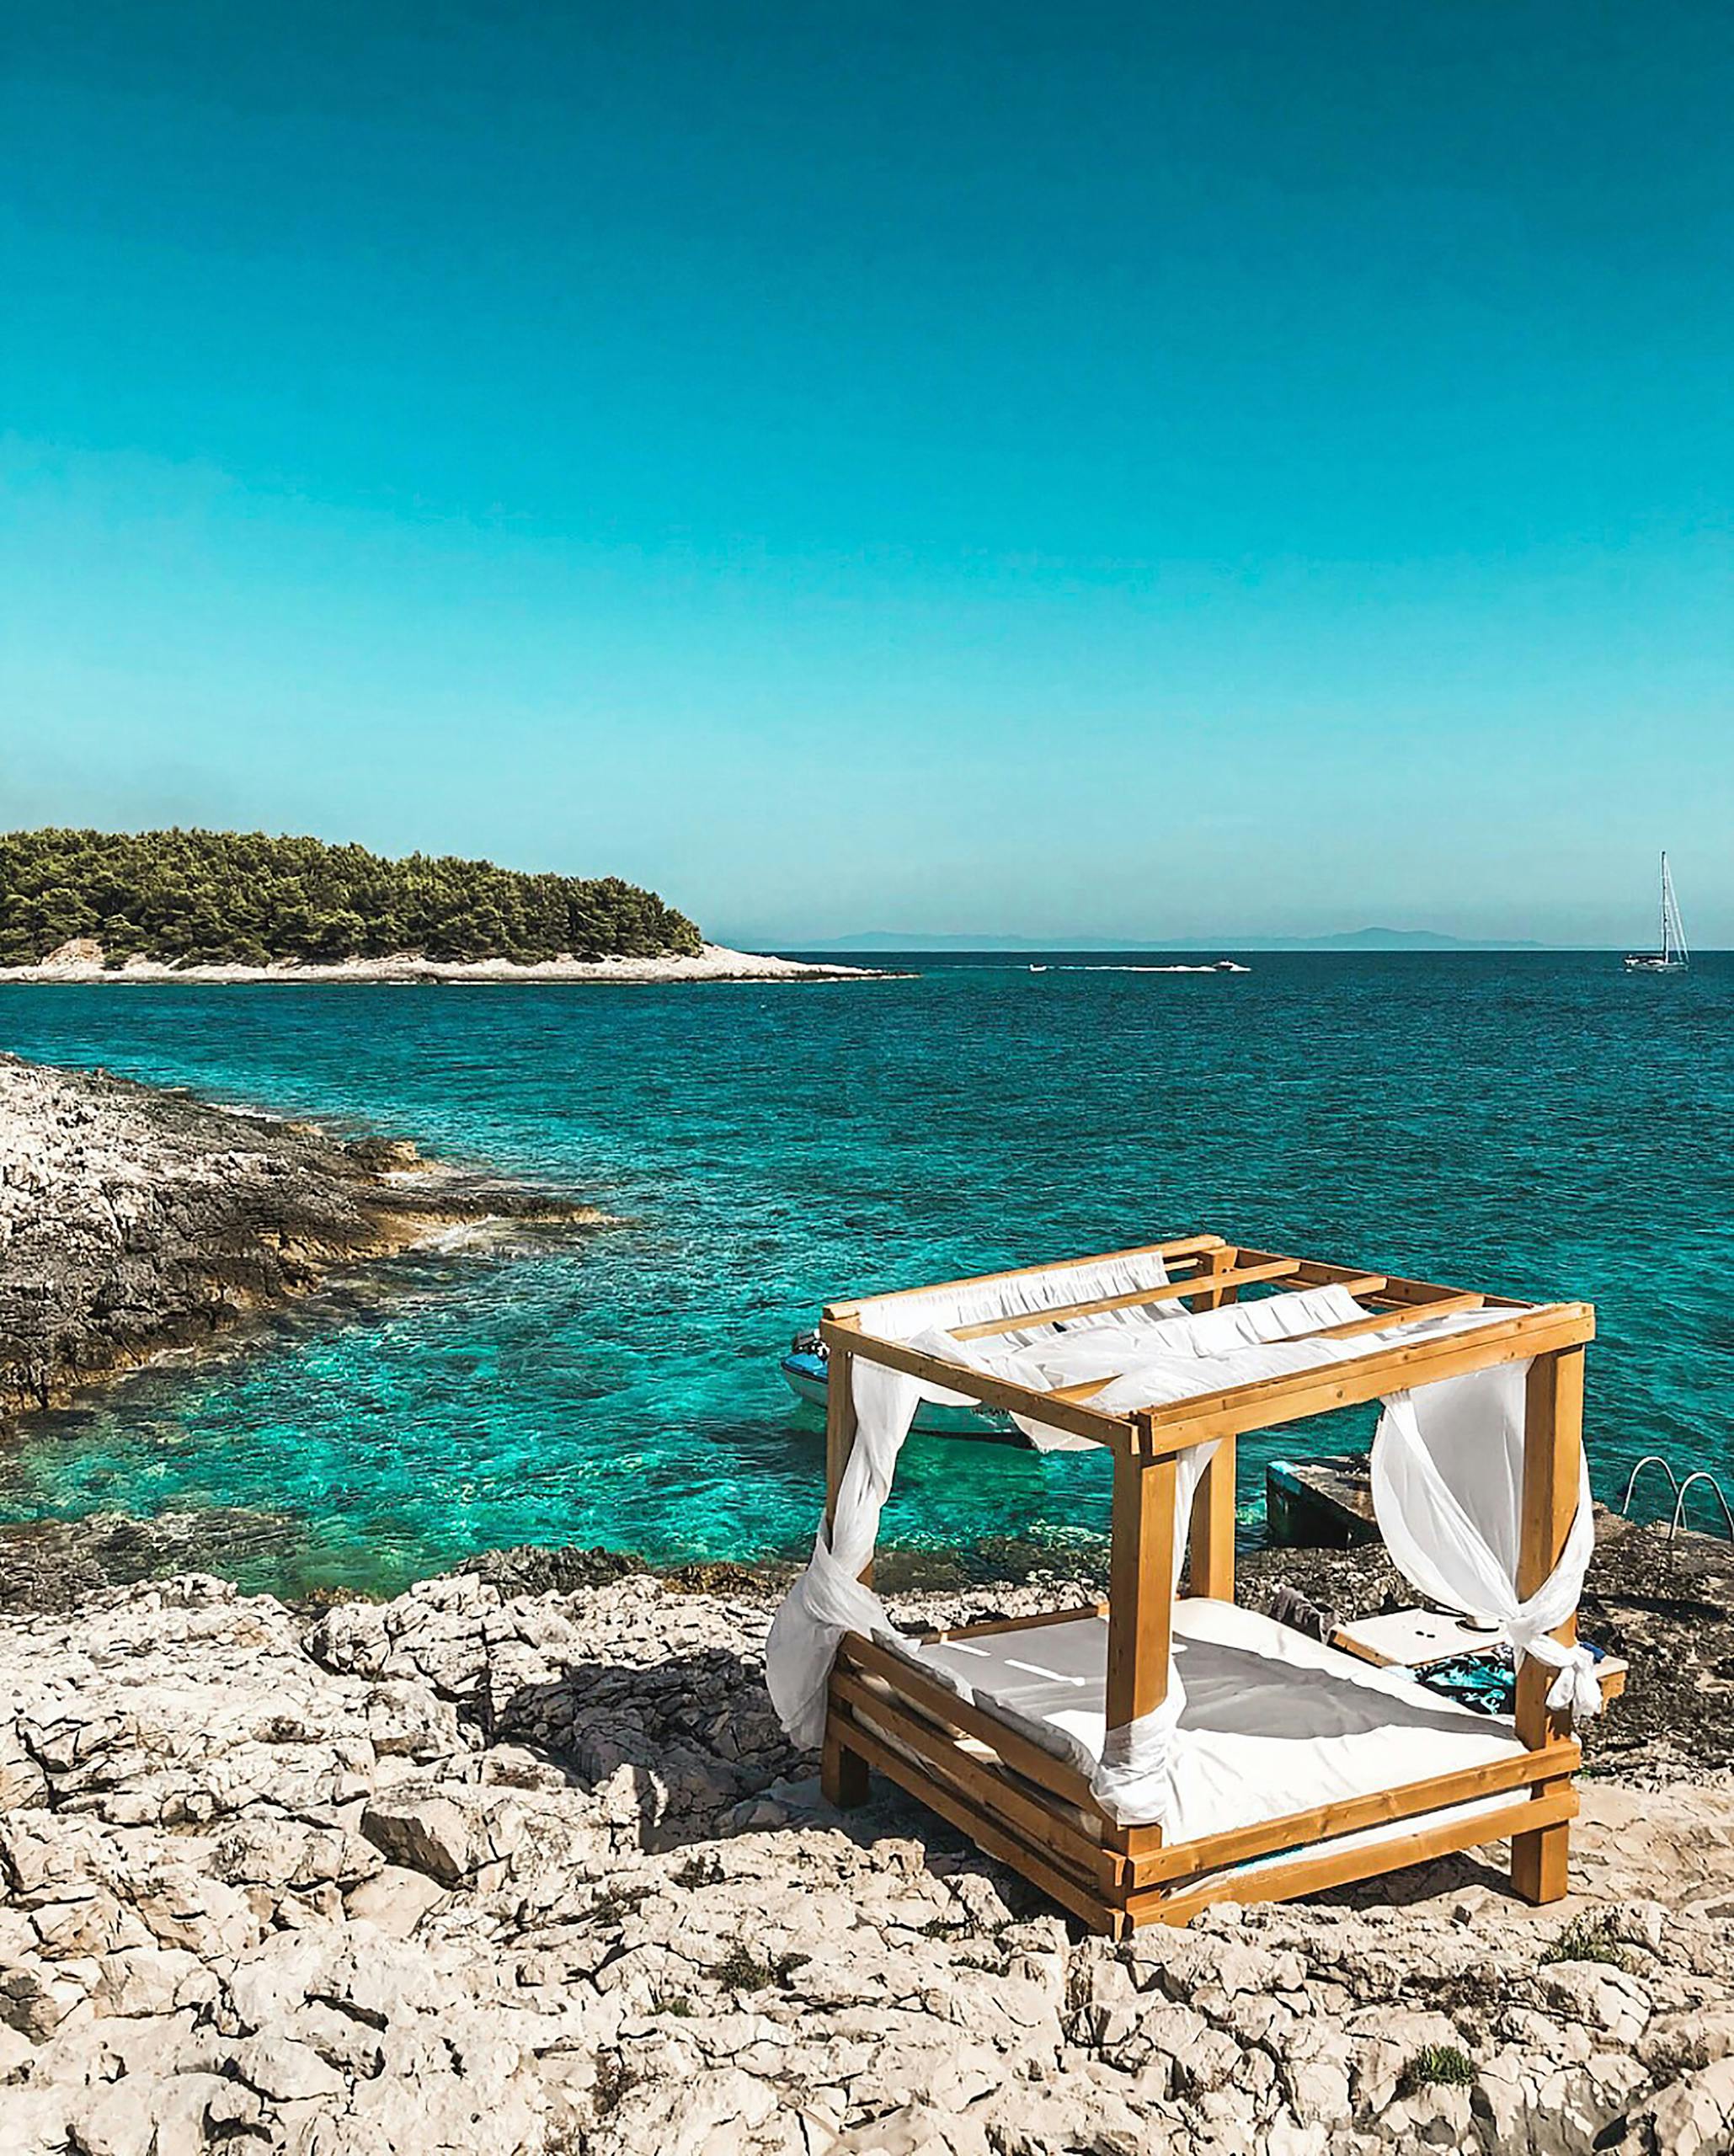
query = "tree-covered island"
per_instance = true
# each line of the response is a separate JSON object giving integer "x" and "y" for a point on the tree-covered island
{"x": 233, "y": 898}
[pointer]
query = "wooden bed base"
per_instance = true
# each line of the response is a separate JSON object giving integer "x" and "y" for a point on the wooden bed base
{"x": 1034, "y": 1812}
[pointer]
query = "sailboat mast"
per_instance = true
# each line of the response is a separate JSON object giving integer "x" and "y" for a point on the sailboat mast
{"x": 1666, "y": 951}
{"x": 1676, "y": 928}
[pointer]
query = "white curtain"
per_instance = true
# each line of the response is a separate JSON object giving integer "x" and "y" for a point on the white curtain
{"x": 828, "y": 1598}
{"x": 1154, "y": 1354}
{"x": 1448, "y": 1490}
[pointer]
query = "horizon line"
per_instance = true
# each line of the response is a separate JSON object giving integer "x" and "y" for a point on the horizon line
{"x": 1269, "y": 946}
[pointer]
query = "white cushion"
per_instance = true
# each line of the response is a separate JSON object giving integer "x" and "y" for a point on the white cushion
{"x": 1275, "y": 1722}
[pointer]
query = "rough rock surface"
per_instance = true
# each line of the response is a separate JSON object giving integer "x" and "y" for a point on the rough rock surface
{"x": 487, "y": 1871}
{"x": 133, "y": 1219}
{"x": 55, "y": 1564}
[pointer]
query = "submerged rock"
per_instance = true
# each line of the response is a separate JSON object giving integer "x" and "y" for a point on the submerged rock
{"x": 52, "y": 1564}
{"x": 533, "y": 1568}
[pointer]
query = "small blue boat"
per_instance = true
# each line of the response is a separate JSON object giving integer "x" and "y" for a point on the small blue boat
{"x": 806, "y": 1374}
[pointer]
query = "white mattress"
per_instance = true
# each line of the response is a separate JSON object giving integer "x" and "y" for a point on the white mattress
{"x": 1274, "y": 1722}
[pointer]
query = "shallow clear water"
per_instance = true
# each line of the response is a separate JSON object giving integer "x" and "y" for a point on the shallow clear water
{"x": 1536, "y": 1123}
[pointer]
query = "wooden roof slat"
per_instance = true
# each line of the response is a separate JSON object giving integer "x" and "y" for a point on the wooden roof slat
{"x": 1529, "y": 1328}
{"x": 1183, "y": 1246}
{"x": 1195, "y": 1283}
{"x": 1366, "y": 1283}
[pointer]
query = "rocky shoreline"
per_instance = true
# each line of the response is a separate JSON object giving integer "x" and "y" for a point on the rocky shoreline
{"x": 82, "y": 963}
{"x": 1666, "y": 1606}
{"x": 501, "y": 1872}
{"x": 134, "y": 1220}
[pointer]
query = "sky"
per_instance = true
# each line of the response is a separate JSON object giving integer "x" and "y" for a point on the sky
{"x": 1115, "y": 471}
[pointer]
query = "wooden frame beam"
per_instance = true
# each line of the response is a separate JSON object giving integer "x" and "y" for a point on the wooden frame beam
{"x": 940, "y": 1704}
{"x": 842, "y": 1773}
{"x": 1321, "y": 1273}
{"x": 1256, "y": 1392}
{"x": 839, "y": 1419}
{"x": 1210, "y": 1540}
{"x": 1312, "y": 1871}
{"x": 1412, "y": 1313}
{"x": 1353, "y": 1815}
{"x": 1178, "y": 1246}
{"x": 1057, "y": 1831}
{"x": 1269, "y": 1402}
{"x": 987, "y": 1626}
{"x": 1076, "y": 1420}
{"x": 1140, "y": 1589}
{"x": 989, "y": 1834}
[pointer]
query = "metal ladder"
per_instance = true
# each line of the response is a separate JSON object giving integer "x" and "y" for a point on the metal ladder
{"x": 1680, "y": 1490}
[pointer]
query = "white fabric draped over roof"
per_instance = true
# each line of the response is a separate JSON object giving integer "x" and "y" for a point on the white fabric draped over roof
{"x": 1447, "y": 1470}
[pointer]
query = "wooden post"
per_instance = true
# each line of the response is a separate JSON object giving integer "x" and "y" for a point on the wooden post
{"x": 1552, "y": 1446}
{"x": 1211, "y": 1567}
{"x": 842, "y": 1773}
{"x": 839, "y": 1423}
{"x": 1212, "y": 1261}
{"x": 1140, "y": 1587}
{"x": 1140, "y": 1610}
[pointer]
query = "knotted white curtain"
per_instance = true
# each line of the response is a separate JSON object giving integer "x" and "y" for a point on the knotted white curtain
{"x": 1448, "y": 1490}
{"x": 828, "y": 1598}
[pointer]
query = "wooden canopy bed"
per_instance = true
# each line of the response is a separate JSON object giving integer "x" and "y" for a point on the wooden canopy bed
{"x": 1296, "y": 1766}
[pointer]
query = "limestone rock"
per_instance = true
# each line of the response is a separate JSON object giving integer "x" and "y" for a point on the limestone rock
{"x": 445, "y": 1834}
{"x": 513, "y": 1874}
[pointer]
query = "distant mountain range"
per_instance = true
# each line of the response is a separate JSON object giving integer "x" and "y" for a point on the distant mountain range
{"x": 1356, "y": 939}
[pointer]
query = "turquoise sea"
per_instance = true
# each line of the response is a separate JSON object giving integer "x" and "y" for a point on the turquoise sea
{"x": 1538, "y": 1123}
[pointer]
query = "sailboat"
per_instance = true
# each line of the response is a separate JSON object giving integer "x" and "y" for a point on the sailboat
{"x": 1674, "y": 957}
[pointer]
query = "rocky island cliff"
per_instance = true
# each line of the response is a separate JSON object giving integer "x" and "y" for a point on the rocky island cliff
{"x": 82, "y": 906}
